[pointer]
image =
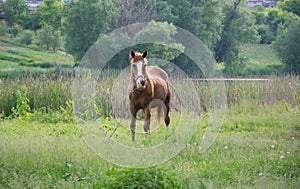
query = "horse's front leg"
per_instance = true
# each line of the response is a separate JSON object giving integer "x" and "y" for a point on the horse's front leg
{"x": 133, "y": 111}
{"x": 147, "y": 121}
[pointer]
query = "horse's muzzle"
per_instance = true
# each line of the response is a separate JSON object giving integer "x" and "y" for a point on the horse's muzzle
{"x": 140, "y": 83}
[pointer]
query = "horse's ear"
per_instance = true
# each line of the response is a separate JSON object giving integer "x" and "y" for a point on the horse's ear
{"x": 145, "y": 54}
{"x": 132, "y": 54}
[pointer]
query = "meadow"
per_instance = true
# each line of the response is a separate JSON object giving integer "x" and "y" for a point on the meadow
{"x": 45, "y": 129}
{"x": 43, "y": 145}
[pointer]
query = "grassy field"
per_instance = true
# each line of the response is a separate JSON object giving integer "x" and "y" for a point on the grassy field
{"x": 256, "y": 148}
{"x": 257, "y": 145}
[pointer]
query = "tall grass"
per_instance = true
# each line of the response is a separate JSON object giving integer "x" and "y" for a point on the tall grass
{"x": 51, "y": 94}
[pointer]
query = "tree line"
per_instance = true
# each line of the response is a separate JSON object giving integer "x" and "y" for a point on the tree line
{"x": 222, "y": 25}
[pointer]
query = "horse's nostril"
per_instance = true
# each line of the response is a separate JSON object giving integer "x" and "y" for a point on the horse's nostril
{"x": 142, "y": 83}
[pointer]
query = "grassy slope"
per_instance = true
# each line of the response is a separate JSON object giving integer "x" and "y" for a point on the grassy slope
{"x": 255, "y": 149}
{"x": 260, "y": 59}
{"x": 17, "y": 59}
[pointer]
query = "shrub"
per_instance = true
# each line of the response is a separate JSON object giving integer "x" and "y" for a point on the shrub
{"x": 26, "y": 37}
{"x": 15, "y": 30}
{"x": 287, "y": 47}
{"x": 49, "y": 38}
{"x": 3, "y": 27}
{"x": 138, "y": 178}
{"x": 22, "y": 109}
{"x": 266, "y": 34}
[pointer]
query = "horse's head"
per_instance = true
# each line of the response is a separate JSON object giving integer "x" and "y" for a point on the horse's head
{"x": 138, "y": 65}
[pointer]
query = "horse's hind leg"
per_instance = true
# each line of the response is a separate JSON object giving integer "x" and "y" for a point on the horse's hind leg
{"x": 167, "y": 117}
{"x": 167, "y": 103}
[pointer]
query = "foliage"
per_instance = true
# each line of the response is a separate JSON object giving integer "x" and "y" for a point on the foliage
{"x": 49, "y": 38}
{"x": 26, "y": 37}
{"x": 138, "y": 178}
{"x": 50, "y": 13}
{"x": 290, "y": 6}
{"x": 15, "y": 11}
{"x": 195, "y": 17}
{"x": 287, "y": 47}
{"x": 141, "y": 11}
{"x": 33, "y": 21}
{"x": 276, "y": 17}
{"x": 163, "y": 47}
{"x": 15, "y": 30}
{"x": 238, "y": 28}
{"x": 22, "y": 109}
{"x": 84, "y": 21}
{"x": 62, "y": 115}
{"x": 266, "y": 35}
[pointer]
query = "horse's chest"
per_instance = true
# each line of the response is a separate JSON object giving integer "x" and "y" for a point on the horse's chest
{"x": 140, "y": 99}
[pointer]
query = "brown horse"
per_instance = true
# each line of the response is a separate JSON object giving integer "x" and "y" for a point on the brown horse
{"x": 147, "y": 84}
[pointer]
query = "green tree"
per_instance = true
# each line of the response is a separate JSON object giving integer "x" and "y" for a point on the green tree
{"x": 15, "y": 11}
{"x": 238, "y": 28}
{"x": 162, "y": 33}
{"x": 33, "y": 21}
{"x": 144, "y": 11}
{"x": 290, "y": 6}
{"x": 48, "y": 37}
{"x": 287, "y": 46}
{"x": 196, "y": 17}
{"x": 44, "y": 36}
{"x": 84, "y": 21}
{"x": 163, "y": 46}
{"x": 15, "y": 30}
{"x": 50, "y": 13}
{"x": 268, "y": 19}
{"x": 276, "y": 16}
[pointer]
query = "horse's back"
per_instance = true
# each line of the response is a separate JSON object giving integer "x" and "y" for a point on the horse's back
{"x": 157, "y": 72}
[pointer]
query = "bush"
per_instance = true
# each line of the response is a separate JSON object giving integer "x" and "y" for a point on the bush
{"x": 287, "y": 46}
{"x": 49, "y": 38}
{"x": 15, "y": 30}
{"x": 138, "y": 178}
{"x": 22, "y": 109}
{"x": 266, "y": 34}
{"x": 3, "y": 28}
{"x": 26, "y": 37}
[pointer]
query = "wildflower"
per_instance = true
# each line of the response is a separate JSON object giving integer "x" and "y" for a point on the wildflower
{"x": 226, "y": 147}
{"x": 281, "y": 157}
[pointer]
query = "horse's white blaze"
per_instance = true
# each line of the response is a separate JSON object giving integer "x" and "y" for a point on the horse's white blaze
{"x": 140, "y": 68}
